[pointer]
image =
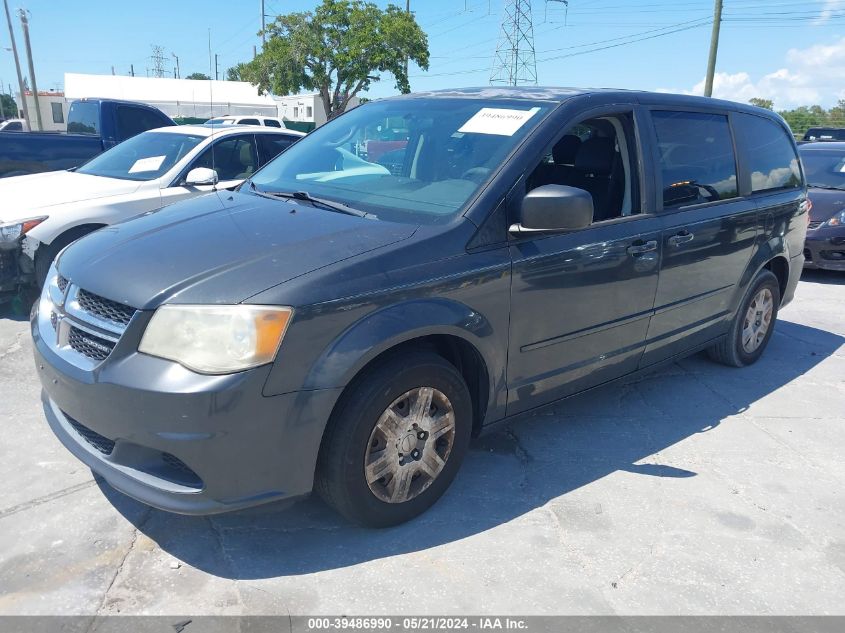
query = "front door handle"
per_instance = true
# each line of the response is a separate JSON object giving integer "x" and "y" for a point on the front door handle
{"x": 681, "y": 238}
{"x": 638, "y": 248}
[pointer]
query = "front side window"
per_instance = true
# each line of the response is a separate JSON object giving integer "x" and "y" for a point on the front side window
{"x": 697, "y": 159}
{"x": 440, "y": 153}
{"x": 143, "y": 157}
{"x": 771, "y": 158}
{"x": 234, "y": 158}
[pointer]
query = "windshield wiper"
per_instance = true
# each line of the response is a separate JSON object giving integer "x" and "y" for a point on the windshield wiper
{"x": 307, "y": 197}
{"x": 828, "y": 187}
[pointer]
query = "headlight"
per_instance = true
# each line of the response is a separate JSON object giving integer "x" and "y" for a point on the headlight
{"x": 216, "y": 339}
{"x": 13, "y": 230}
{"x": 836, "y": 220}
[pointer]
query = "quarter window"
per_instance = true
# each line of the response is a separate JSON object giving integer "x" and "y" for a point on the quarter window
{"x": 697, "y": 159}
{"x": 770, "y": 154}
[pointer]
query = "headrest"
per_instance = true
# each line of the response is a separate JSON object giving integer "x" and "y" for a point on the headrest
{"x": 566, "y": 149}
{"x": 596, "y": 156}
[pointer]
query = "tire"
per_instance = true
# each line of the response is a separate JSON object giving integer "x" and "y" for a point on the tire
{"x": 369, "y": 430}
{"x": 46, "y": 253}
{"x": 731, "y": 350}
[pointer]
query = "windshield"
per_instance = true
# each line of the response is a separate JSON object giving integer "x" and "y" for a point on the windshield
{"x": 824, "y": 168}
{"x": 417, "y": 160}
{"x": 143, "y": 157}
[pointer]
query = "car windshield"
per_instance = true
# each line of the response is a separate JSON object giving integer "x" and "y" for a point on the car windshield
{"x": 143, "y": 157}
{"x": 824, "y": 168}
{"x": 415, "y": 160}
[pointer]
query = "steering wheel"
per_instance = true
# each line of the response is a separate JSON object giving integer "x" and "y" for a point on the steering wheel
{"x": 476, "y": 174}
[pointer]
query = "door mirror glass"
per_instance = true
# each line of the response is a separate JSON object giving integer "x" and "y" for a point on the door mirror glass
{"x": 201, "y": 176}
{"x": 556, "y": 208}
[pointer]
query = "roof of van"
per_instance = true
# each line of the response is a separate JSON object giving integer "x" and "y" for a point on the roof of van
{"x": 559, "y": 95}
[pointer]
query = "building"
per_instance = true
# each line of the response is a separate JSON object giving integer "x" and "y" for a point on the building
{"x": 305, "y": 108}
{"x": 177, "y": 98}
{"x": 53, "y": 107}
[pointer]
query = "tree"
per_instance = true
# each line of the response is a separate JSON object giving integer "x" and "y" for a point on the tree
{"x": 338, "y": 50}
{"x": 200, "y": 76}
{"x": 762, "y": 103}
{"x": 235, "y": 73}
{"x": 10, "y": 108}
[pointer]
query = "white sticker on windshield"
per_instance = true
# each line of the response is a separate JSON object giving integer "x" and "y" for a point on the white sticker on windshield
{"x": 498, "y": 121}
{"x": 147, "y": 164}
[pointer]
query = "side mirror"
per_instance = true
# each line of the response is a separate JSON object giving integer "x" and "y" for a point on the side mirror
{"x": 201, "y": 176}
{"x": 553, "y": 208}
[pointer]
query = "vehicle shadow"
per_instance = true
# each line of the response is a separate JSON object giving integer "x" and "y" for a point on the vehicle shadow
{"x": 512, "y": 469}
{"x": 817, "y": 275}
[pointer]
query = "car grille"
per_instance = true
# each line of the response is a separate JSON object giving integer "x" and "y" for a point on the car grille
{"x": 61, "y": 282}
{"x": 102, "y": 444}
{"x": 105, "y": 308}
{"x": 88, "y": 344}
{"x": 180, "y": 472}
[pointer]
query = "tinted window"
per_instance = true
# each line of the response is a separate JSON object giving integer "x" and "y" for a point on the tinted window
{"x": 696, "y": 157}
{"x": 272, "y": 123}
{"x": 132, "y": 121}
{"x": 234, "y": 158}
{"x": 58, "y": 113}
{"x": 271, "y": 145}
{"x": 84, "y": 117}
{"x": 248, "y": 122}
{"x": 14, "y": 126}
{"x": 770, "y": 155}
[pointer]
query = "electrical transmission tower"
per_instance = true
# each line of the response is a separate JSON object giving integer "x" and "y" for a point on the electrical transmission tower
{"x": 158, "y": 60}
{"x": 515, "y": 62}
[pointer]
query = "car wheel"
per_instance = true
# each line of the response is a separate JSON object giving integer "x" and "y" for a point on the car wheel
{"x": 753, "y": 324}
{"x": 396, "y": 440}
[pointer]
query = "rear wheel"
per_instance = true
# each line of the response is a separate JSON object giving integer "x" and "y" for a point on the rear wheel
{"x": 396, "y": 440}
{"x": 753, "y": 324}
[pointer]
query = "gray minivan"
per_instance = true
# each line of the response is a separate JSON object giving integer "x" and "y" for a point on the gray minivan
{"x": 344, "y": 326}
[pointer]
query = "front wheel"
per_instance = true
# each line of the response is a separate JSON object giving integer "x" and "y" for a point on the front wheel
{"x": 753, "y": 324}
{"x": 396, "y": 440}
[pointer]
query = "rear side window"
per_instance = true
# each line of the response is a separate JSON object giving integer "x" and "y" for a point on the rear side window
{"x": 249, "y": 122}
{"x": 769, "y": 153}
{"x": 271, "y": 145}
{"x": 272, "y": 123}
{"x": 697, "y": 160}
{"x": 132, "y": 121}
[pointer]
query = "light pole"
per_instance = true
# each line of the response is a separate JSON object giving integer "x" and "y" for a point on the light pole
{"x": 17, "y": 64}
{"x": 178, "y": 73}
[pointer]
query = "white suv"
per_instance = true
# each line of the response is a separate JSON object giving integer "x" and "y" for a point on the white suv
{"x": 248, "y": 119}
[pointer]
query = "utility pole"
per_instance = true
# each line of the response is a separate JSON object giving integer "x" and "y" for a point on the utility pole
{"x": 216, "y": 69}
{"x": 407, "y": 10}
{"x": 515, "y": 61}
{"x": 17, "y": 64}
{"x": 263, "y": 25}
{"x": 132, "y": 70}
{"x": 714, "y": 49}
{"x": 25, "y": 26}
{"x": 178, "y": 74}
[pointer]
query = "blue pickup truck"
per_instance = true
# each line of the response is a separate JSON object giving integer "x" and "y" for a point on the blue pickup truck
{"x": 93, "y": 125}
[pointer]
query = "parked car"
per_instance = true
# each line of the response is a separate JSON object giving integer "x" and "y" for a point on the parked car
{"x": 14, "y": 125}
{"x": 825, "y": 134}
{"x": 824, "y": 165}
{"x": 43, "y": 213}
{"x": 251, "y": 119}
{"x": 336, "y": 327}
{"x": 93, "y": 125}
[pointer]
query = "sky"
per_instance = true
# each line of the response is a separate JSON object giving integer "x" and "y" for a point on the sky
{"x": 790, "y": 52}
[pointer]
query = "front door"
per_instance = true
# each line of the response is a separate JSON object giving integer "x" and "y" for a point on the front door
{"x": 581, "y": 301}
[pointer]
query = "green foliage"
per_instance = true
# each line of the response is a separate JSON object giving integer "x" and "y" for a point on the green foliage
{"x": 805, "y": 117}
{"x": 10, "y": 108}
{"x": 235, "y": 73}
{"x": 338, "y": 50}
{"x": 768, "y": 104}
{"x": 199, "y": 76}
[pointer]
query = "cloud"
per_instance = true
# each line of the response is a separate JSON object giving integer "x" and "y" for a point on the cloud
{"x": 813, "y": 75}
{"x": 831, "y": 8}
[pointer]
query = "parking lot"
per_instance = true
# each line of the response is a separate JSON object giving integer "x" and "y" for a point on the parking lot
{"x": 698, "y": 489}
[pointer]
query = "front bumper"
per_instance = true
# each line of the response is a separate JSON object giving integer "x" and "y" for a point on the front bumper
{"x": 181, "y": 441}
{"x": 825, "y": 248}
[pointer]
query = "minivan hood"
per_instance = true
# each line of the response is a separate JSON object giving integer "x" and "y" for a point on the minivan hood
{"x": 32, "y": 195}
{"x": 826, "y": 202}
{"x": 219, "y": 248}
